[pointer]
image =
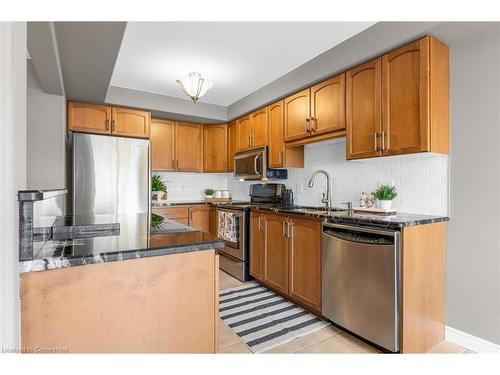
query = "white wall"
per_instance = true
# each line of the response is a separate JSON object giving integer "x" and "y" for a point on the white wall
{"x": 190, "y": 186}
{"x": 12, "y": 172}
{"x": 421, "y": 179}
{"x": 46, "y": 131}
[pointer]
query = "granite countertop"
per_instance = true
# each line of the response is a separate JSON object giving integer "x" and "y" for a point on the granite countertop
{"x": 136, "y": 239}
{"x": 339, "y": 215}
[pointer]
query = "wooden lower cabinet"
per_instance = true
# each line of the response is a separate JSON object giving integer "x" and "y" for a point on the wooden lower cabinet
{"x": 285, "y": 255}
{"x": 276, "y": 252}
{"x": 256, "y": 245}
{"x": 304, "y": 259}
{"x": 163, "y": 304}
{"x": 199, "y": 218}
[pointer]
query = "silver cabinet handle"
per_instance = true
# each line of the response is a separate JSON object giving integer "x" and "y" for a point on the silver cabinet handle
{"x": 288, "y": 230}
{"x": 383, "y": 140}
{"x": 308, "y": 125}
{"x": 107, "y": 124}
{"x": 375, "y": 139}
{"x": 314, "y": 124}
{"x": 260, "y": 217}
{"x": 249, "y": 141}
{"x": 281, "y": 158}
{"x": 284, "y": 229}
{"x": 113, "y": 126}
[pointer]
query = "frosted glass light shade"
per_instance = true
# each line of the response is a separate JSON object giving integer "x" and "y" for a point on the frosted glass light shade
{"x": 194, "y": 85}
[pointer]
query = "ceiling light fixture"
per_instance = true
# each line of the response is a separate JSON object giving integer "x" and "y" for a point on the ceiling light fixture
{"x": 194, "y": 85}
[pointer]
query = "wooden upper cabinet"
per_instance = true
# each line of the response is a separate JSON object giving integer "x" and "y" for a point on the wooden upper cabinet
{"x": 90, "y": 118}
{"x": 214, "y": 148}
{"x": 276, "y": 140}
{"x": 244, "y": 133}
{"x": 130, "y": 122}
{"x": 297, "y": 115}
{"x": 259, "y": 120}
{"x": 231, "y": 145}
{"x": 199, "y": 218}
{"x": 280, "y": 156}
{"x": 328, "y": 106}
{"x": 162, "y": 145}
{"x": 275, "y": 252}
{"x": 256, "y": 246}
{"x": 188, "y": 147}
{"x": 304, "y": 258}
{"x": 363, "y": 110}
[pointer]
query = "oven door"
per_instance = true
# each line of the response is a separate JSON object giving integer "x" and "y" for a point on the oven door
{"x": 251, "y": 165}
{"x": 235, "y": 249}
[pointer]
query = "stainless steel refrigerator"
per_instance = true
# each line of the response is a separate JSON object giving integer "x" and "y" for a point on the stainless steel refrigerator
{"x": 111, "y": 175}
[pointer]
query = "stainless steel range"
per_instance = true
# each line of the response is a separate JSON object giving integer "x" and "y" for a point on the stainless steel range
{"x": 233, "y": 221}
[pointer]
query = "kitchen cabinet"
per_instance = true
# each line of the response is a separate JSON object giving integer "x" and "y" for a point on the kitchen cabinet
{"x": 252, "y": 130}
{"x": 285, "y": 255}
{"x": 231, "y": 145}
{"x": 275, "y": 252}
{"x": 162, "y": 145}
{"x": 364, "y": 110}
{"x": 130, "y": 122}
{"x": 256, "y": 245}
{"x": 214, "y": 148}
{"x": 199, "y": 218}
{"x": 104, "y": 119}
{"x": 244, "y": 133}
{"x": 188, "y": 147}
{"x": 408, "y": 111}
{"x": 259, "y": 125}
{"x": 89, "y": 118}
{"x": 316, "y": 113}
{"x": 280, "y": 156}
{"x": 328, "y": 106}
{"x": 297, "y": 115}
{"x": 304, "y": 252}
{"x": 177, "y": 213}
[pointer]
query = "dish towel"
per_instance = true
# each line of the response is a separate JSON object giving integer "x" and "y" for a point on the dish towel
{"x": 221, "y": 224}
{"x": 230, "y": 227}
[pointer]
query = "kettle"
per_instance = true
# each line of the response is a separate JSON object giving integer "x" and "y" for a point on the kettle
{"x": 287, "y": 199}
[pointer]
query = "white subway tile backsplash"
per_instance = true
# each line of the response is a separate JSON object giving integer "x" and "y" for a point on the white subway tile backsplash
{"x": 421, "y": 179}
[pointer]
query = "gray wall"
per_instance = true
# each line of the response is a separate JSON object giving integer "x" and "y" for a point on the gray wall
{"x": 46, "y": 124}
{"x": 12, "y": 172}
{"x": 473, "y": 257}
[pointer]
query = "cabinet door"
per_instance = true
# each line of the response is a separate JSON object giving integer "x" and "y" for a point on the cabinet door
{"x": 304, "y": 246}
{"x": 244, "y": 129}
{"x": 199, "y": 218}
{"x": 328, "y": 105}
{"x": 275, "y": 252}
{"x": 259, "y": 120}
{"x": 162, "y": 145}
{"x": 213, "y": 221}
{"x": 89, "y": 118}
{"x": 231, "y": 145}
{"x": 130, "y": 122}
{"x": 363, "y": 107}
{"x": 297, "y": 115}
{"x": 276, "y": 149}
{"x": 214, "y": 148}
{"x": 256, "y": 246}
{"x": 405, "y": 99}
{"x": 188, "y": 147}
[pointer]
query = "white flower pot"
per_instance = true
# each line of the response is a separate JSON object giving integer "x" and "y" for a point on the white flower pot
{"x": 158, "y": 197}
{"x": 384, "y": 204}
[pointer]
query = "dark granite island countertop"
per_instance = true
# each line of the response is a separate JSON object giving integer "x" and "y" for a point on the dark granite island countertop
{"x": 136, "y": 239}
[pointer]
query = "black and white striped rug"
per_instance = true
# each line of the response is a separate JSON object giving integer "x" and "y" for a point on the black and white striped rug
{"x": 264, "y": 319}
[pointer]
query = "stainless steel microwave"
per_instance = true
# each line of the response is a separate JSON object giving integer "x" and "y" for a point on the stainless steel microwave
{"x": 252, "y": 165}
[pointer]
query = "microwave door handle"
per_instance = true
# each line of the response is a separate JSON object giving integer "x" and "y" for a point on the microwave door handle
{"x": 256, "y": 165}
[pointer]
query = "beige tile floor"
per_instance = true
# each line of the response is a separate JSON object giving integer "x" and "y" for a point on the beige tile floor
{"x": 326, "y": 340}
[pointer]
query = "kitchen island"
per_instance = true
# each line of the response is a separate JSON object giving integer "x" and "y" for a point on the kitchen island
{"x": 146, "y": 290}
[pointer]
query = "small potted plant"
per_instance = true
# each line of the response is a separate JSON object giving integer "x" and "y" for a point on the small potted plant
{"x": 385, "y": 194}
{"x": 158, "y": 190}
{"x": 209, "y": 193}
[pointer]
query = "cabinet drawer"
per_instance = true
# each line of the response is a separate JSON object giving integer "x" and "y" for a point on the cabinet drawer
{"x": 173, "y": 212}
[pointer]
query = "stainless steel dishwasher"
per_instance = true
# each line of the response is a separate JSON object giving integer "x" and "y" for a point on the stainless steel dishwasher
{"x": 360, "y": 281}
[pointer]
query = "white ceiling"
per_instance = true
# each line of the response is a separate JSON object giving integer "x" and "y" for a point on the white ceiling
{"x": 240, "y": 57}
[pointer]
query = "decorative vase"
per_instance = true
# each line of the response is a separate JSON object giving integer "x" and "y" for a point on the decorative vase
{"x": 159, "y": 197}
{"x": 384, "y": 204}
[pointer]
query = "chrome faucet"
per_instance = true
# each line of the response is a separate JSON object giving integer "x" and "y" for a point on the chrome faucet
{"x": 327, "y": 198}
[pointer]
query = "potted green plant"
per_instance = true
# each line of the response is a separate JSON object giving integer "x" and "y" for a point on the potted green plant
{"x": 385, "y": 194}
{"x": 209, "y": 193}
{"x": 158, "y": 189}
